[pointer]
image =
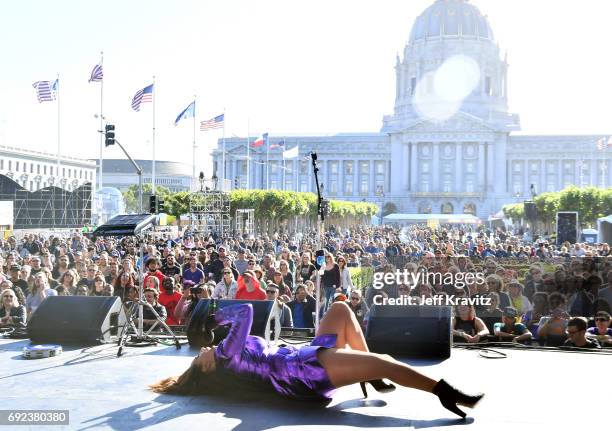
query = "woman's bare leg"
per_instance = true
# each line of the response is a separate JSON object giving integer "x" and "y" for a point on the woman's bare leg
{"x": 340, "y": 320}
{"x": 346, "y": 367}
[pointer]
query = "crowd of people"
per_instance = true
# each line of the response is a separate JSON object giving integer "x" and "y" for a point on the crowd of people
{"x": 530, "y": 291}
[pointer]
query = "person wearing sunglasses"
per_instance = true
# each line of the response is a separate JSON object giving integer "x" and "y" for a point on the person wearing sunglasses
{"x": 358, "y": 307}
{"x": 286, "y": 319}
{"x": 601, "y": 331}
{"x": 227, "y": 287}
{"x": 11, "y": 312}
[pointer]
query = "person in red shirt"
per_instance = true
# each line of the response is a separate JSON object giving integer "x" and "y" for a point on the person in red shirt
{"x": 249, "y": 288}
{"x": 153, "y": 264}
{"x": 169, "y": 298}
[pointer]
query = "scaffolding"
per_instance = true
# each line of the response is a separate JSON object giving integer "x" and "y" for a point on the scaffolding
{"x": 244, "y": 222}
{"x": 49, "y": 207}
{"x": 209, "y": 212}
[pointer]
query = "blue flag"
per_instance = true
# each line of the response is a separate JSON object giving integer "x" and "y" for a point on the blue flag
{"x": 188, "y": 112}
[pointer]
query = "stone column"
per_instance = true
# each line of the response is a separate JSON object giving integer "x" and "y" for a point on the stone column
{"x": 559, "y": 174}
{"x": 490, "y": 180}
{"x": 577, "y": 171}
{"x": 414, "y": 154}
{"x": 481, "y": 168}
{"x": 372, "y": 178}
{"x": 459, "y": 167}
{"x": 435, "y": 171}
{"x": 526, "y": 178}
{"x": 405, "y": 164}
{"x": 594, "y": 173}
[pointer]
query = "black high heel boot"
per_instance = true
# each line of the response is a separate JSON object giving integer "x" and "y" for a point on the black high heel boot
{"x": 450, "y": 397}
{"x": 379, "y": 385}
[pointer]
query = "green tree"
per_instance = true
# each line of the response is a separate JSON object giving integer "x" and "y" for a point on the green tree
{"x": 130, "y": 197}
{"x": 389, "y": 208}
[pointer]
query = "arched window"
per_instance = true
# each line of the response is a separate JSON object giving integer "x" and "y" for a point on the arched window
{"x": 424, "y": 208}
{"x": 469, "y": 208}
{"x": 447, "y": 208}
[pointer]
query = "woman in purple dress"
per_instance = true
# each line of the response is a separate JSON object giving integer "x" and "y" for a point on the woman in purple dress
{"x": 310, "y": 372}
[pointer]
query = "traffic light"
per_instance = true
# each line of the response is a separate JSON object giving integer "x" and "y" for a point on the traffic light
{"x": 236, "y": 183}
{"x": 161, "y": 207}
{"x": 109, "y": 133}
{"x": 152, "y": 204}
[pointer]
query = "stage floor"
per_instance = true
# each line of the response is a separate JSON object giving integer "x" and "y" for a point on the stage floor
{"x": 525, "y": 391}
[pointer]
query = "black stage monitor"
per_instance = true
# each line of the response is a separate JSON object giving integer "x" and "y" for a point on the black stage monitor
{"x": 126, "y": 224}
{"x": 410, "y": 330}
{"x": 261, "y": 314}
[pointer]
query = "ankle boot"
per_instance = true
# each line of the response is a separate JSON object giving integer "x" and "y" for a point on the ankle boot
{"x": 450, "y": 397}
{"x": 379, "y": 385}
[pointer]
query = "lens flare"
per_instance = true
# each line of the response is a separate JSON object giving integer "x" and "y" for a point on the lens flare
{"x": 439, "y": 94}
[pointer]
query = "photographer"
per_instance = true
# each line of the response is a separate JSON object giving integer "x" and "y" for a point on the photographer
{"x": 169, "y": 298}
{"x": 189, "y": 299}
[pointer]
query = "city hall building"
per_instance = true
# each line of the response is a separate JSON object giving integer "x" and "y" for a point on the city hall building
{"x": 424, "y": 160}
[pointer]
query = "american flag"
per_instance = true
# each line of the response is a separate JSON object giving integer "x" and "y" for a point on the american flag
{"x": 46, "y": 91}
{"x": 213, "y": 123}
{"x": 96, "y": 73}
{"x": 604, "y": 143}
{"x": 142, "y": 96}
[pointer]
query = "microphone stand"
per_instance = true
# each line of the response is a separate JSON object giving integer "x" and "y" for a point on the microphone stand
{"x": 319, "y": 232}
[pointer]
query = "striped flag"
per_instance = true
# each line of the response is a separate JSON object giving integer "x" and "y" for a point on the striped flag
{"x": 280, "y": 145}
{"x": 142, "y": 96}
{"x": 213, "y": 123}
{"x": 259, "y": 142}
{"x": 188, "y": 112}
{"x": 46, "y": 91}
{"x": 96, "y": 73}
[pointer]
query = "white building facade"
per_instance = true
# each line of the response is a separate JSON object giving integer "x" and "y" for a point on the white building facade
{"x": 34, "y": 170}
{"x": 424, "y": 162}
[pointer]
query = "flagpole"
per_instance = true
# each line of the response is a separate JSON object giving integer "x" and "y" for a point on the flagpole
{"x": 283, "y": 164}
{"x": 223, "y": 155}
{"x": 248, "y": 150}
{"x": 193, "y": 158}
{"x": 267, "y": 165}
{"x": 297, "y": 170}
{"x": 58, "y": 130}
{"x": 153, "y": 161}
{"x": 100, "y": 178}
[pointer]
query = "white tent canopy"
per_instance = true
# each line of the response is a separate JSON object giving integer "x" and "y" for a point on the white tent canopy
{"x": 424, "y": 218}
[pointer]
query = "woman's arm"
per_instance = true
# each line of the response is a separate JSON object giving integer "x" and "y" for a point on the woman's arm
{"x": 481, "y": 327}
{"x": 240, "y": 316}
{"x": 180, "y": 309}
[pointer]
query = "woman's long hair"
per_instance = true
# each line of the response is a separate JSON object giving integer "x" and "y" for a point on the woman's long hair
{"x": 218, "y": 382}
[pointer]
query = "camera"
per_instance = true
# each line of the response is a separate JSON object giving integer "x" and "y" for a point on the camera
{"x": 195, "y": 290}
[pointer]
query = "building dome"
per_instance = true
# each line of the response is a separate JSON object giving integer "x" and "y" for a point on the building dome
{"x": 451, "y": 18}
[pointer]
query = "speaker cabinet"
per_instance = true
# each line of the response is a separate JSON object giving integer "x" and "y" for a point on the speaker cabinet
{"x": 410, "y": 330}
{"x": 567, "y": 227}
{"x": 530, "y": 210}
{"x": 86, "y": 320}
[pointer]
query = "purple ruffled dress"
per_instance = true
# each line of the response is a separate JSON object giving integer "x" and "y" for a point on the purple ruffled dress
{"x": 295, "y": 372}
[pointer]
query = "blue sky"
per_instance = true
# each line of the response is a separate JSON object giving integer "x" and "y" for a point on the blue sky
{"x": 285, "y": 67}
